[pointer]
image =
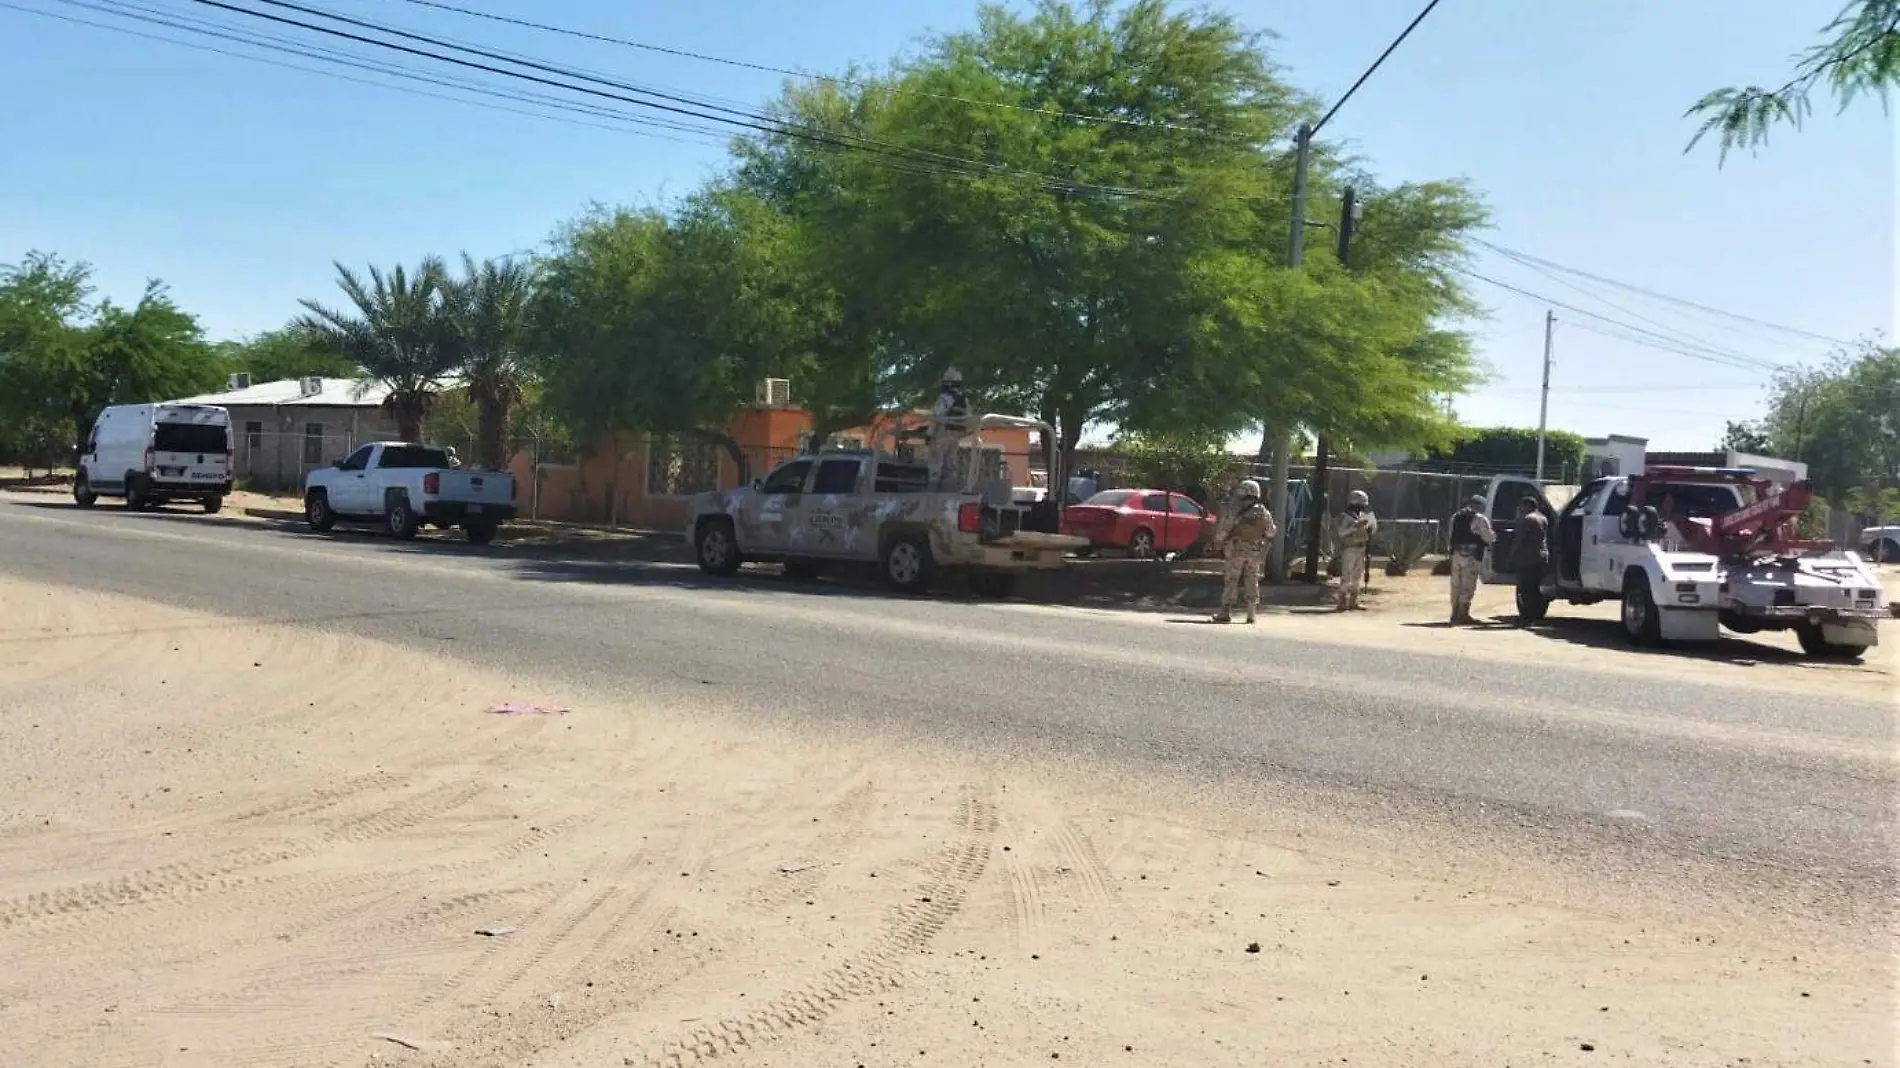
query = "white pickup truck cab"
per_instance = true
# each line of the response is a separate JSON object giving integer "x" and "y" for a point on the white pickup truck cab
{"x": 403, "y": 487}
{"x": 152, "y": 454}
{"x": 1689, "y": 551}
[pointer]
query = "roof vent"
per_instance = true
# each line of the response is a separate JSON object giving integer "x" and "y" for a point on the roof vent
{"x": 236, "y": 381}
{"x": 309, "y": 387}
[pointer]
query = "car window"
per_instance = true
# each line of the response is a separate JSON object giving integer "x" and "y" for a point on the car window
{"x": 1110, "y": 498}
{"x": 1154, "y": 502}
{"x": 902, "y": 478}
{"x": 1184, "y": 506}
{"x": 1504, "y": 506}
{"x": 1694, "y": 501}
{"x": 1619, "y": 501}
{"x": 190, "y": 437}
{"x": 837, "y": 476}
{"x": 787, "y": 479}
{"x": 359, "y": 459}
{"x": 411, "y": 457}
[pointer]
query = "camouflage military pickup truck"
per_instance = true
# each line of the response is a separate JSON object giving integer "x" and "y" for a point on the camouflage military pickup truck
{"x": 838, "y": 509}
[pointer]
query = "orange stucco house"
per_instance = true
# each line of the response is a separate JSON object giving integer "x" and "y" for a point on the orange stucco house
{"x": 643, "y": 482}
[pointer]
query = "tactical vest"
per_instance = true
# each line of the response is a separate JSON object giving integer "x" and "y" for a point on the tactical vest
{"x": 1462, "y": 536}
{"x": 1251, "y": 523}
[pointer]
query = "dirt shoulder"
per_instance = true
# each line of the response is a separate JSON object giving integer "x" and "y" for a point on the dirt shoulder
{"x": 265, "y": 846}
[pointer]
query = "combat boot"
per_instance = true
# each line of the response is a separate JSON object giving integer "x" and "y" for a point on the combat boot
{"x": 1223, "y": 616}
{"x": 1250, "y": 615}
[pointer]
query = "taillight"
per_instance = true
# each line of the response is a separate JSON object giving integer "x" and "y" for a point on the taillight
{"x": 970, "y": 517}
{"x": 432, "y": 483}
{"x": 148, "y": 461}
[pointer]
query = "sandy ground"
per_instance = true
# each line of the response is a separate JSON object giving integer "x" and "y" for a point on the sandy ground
{"x": 227, "y": 844}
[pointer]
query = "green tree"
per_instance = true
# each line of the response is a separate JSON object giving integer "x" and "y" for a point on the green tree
{"x": 1194, "y": 464}
{"x": 63, "y": 359}
{"x": 1842, "y": 419}
{"x": 1859, "y": 54}
{"x": 1513, "y": 448}
{"x": 1745, "y": 436}
{"x": 398, "y": 328}
{"x": 489, "y": 306}
{"x": 276, "y": 355}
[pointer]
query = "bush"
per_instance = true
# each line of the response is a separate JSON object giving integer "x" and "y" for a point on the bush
{"x": 1185, "y": 463}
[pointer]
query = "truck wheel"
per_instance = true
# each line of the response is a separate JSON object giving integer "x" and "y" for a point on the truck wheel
{"x": 212, "y": 505}
{"x": 995, "y": 585}
{"x": 715, "y": 548}
{"x": 82, "y": 491}
{"x": 402, "y": 520}
{"x": 1641, "y": 622}
{"x": 905, "y": 564}
{"x": 1815, "y": 644}
{"x": 480, "y": 533}
{"x": 316, "y": 511}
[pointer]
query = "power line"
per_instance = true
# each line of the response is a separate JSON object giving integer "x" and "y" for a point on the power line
{"x": 855, "y": 83}
{"x": 1636, "y": 334}
{"x": 287, "y": 46}
{"x": 1389, "y": 49}
{"x": 667, "y": 102}
{"x": 1664, "y": 297}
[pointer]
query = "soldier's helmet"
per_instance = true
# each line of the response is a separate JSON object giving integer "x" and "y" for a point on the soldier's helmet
{"x": 1476, "y": 501}
{"x": 953, "y": 377}
{"x": 1248, "y": 490}
{"x": 1358, "y": 497}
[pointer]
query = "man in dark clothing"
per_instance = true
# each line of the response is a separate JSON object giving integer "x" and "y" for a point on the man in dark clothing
{"x": 1530, "y": 551}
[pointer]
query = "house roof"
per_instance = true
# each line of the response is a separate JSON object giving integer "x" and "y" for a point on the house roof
{"x": 333, "y": 393}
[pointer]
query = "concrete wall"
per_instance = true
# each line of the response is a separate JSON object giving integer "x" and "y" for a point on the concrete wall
{"x": 274, "y": 445}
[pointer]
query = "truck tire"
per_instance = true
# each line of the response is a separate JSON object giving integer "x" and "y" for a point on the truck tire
{"x": 480, "y": 533}
{"x": 401, "y": 519}
{"x": 1642, "y": 623}
{"x": 212, "y": 505}
{"x": 316, "y": 511}
{"x": 83, "y": 496}
{"x": 716, "y": 547}
{"x": 1815, "y": 644}
{"x": 905, "y": 564}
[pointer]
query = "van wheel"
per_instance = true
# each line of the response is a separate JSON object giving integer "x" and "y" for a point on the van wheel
{"x": 1642, "y": 623}
{"x": 905, "y": 564}
{"x": 213, "y": 505}
{"x": 316, "y": 511}
{"x": 134, "y": 496}
{"x": 1814, "y": 643}
{"x": 82, "y": 492}
{"x": 715, "y": 547}
{"x": 402, "y": 520}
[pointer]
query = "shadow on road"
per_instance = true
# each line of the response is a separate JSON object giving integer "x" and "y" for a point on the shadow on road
{"x": 1608, "y": 634}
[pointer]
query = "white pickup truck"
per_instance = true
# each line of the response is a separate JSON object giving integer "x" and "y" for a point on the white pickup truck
{"x": 1881, "y": 544}
{"x": 403, "y": 487}
{"x": 1689, "y": 550}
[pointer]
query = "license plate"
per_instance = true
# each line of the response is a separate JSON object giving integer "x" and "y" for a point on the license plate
{"x": 473, "y": 508}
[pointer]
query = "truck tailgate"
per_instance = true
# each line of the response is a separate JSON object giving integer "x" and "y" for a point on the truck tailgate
{"x": 476, "y": 487}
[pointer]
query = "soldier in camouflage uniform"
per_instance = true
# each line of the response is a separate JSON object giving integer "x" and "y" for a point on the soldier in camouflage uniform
{"x": 1353, "y": 537}
{"x": 1243, "y": 535}
{"x": 949, "y": 425}
{"x": 1471, "y": 535}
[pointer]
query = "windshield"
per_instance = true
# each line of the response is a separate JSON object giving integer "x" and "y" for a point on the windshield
{"x": 1110, "y": 498}
{"x": 413, "y": 456}
{"x": 191, "y": 437}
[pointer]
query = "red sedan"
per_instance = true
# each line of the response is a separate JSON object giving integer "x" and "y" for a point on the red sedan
{"x": 1143, "y": 522}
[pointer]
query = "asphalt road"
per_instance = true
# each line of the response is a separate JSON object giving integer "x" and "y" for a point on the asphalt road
{"x": 1789, "y": 795}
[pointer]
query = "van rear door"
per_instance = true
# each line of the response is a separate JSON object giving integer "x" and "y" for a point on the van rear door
{"x": 191, "y": 446}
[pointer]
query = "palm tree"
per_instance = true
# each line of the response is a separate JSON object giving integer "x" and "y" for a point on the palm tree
{"x": 489, "y": 308}
{"x": 398, "y": 329}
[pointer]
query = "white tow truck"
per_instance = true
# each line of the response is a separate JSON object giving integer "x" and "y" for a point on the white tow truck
{"x": 1689, "y": 550}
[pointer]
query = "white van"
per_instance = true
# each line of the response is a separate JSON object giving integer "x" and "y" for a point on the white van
{"x": 151, "y": 454}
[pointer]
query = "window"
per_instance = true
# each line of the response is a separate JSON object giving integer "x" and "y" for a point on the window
{"x": 191, "y": 437}
{"x": 1184, "y": 506}
{"x": 1154, "y": 502}
{"x": 1619, "y": 499}
{"x": 1509, "y": 494}
{"x": 359, "y": 459}
{"x": 1110, "y": 498}
{"x": 787, "y": 479}
{"x": 677, "y": 468}
{"x": 313, "y": 443}
{"x": 413, "y": 457}
{"x": 837, "y": 476}
{"x": 902, "y": 478}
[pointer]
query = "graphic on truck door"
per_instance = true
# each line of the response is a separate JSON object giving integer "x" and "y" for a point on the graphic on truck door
{"x": 768, "y": 515}
{"x": 827, "y": 525}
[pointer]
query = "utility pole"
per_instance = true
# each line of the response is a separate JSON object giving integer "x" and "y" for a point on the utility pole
{"x": 1283, "y": 435}
{"x": 1543, "y": 403}
{"x": 1322, "y": 449}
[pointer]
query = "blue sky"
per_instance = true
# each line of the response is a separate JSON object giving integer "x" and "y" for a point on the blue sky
{"x": 239, "y": 183}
